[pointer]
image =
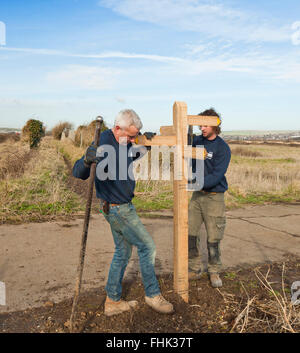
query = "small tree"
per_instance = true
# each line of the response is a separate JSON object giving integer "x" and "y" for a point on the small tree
{"x": 32, "y": 132}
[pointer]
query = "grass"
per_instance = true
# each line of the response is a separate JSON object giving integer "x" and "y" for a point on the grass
{"x": 230, "y": 275}
{"x": 256, "y": 175}
{"x": 68, "y": 150}
{"x": 272, "y": 176}
{"x": 152, "y": 196}
{"x": 33, "y": 185}
{"x": 41, "y": 192}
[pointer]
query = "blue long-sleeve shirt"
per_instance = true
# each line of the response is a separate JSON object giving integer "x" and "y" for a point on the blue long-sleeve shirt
{"x": 118, "y": 186}
{"x": 215, "y": 163}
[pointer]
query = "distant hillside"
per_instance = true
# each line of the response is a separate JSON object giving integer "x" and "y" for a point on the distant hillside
{"x": 4, "y": 130}
{"x": 257, "y": 132}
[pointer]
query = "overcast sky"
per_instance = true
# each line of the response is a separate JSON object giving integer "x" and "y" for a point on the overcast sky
{"x": 76, "y": 59}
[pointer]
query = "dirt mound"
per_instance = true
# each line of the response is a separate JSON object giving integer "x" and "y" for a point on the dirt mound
{"x": 243, "y": 304}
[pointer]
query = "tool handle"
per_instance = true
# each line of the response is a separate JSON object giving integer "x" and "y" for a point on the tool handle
{"x": 99, "y": 122}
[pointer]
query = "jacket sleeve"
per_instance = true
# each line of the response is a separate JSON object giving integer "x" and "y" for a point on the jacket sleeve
{"x": 221, "y": 164}
{"x": 80, "y": 170}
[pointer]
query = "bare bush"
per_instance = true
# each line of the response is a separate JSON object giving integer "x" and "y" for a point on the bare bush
{"x": 59, "y": 128}
{"x": 84, "y": 134}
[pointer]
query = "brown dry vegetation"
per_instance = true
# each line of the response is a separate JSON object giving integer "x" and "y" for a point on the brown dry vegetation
{"x": 271, "y": 176}
{"x": 257, "y": 174}
{"x": 33, "y": 184}
{"x": 84, "y": 134}
{"x": 9, "y": 137}
{"x": 59, "y": 128}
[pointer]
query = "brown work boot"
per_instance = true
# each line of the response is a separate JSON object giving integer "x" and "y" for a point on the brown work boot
{"x": 195, "y": 275}
{"x": 160, "y": 304}
{"x": 117, "y": 307}
{"x": 215, "y": 280}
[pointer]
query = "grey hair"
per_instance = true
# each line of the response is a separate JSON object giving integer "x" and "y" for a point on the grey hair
{"x": 128, "y": 117}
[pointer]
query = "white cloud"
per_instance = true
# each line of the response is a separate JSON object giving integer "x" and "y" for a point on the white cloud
{"x": 200, "y": 58}
{"x": 104, "y": 55}
{"x": 84, "y": 77}
{"x": 208, "y": 17}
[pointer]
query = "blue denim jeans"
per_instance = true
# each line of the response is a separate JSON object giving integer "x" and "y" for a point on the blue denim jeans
{"x": 127, "y": 230}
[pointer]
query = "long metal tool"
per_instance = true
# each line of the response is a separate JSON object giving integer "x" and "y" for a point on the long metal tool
{"x": 99, "y": 121}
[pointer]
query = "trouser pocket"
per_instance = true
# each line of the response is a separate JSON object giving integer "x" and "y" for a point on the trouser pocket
{"x": 215, "y": 227}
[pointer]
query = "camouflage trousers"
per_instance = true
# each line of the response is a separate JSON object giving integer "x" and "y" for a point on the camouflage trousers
{"x": 207, "y": 208}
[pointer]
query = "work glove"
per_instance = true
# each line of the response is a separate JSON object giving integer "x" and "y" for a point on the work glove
{"x": 90, "y": 155}
{"x": 149, "y": 135}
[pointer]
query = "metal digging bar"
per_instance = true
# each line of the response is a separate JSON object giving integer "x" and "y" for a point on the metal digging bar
{"x": 99, "y": 121}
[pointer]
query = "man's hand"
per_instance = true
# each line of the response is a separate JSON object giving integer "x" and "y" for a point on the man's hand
{"x": 149, "y": 135}
{"x": 90, "y": 155}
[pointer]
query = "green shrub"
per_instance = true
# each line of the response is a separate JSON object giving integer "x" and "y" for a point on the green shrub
{"x": 32, "y": 132}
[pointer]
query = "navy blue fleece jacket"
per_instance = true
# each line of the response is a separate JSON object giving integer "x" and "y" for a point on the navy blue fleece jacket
{"x": 215, "y": 163}
{"x": 114, "y": 191}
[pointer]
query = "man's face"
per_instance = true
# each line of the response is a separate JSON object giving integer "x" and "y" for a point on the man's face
{"x": 208, "y": 132}
{"x": 126, "y": 135}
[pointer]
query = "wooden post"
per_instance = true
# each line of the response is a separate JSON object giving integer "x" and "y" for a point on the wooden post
{"x": 181, "y": 282}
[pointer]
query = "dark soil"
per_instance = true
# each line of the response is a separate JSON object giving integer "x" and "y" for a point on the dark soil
{"x": 208, "y": 310}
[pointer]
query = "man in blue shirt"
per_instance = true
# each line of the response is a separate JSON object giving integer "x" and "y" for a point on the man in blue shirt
{"x": 207, "y": 205}
{"x": 115, "y": 186}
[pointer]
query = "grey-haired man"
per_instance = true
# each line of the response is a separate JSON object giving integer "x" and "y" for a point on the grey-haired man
{"x": 126, "y": 227}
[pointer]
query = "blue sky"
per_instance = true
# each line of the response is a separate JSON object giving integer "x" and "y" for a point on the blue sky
{"x": 74, "y": 59}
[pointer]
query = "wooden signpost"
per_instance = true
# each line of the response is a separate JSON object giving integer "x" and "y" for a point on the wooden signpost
{"x": 177, "y": 135}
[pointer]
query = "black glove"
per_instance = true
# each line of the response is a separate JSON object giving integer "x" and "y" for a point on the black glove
{"x": 149, "y": 135}
{"x": 90, "y": 155}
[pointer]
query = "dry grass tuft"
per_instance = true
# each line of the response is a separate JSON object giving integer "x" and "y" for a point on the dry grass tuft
{"x": 273, "y": 313}
{"x": 36, "y": 190}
